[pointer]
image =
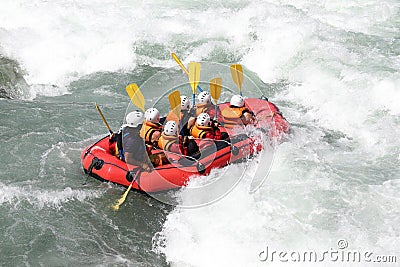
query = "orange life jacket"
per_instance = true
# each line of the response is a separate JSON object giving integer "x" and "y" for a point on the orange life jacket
{"x": 148, "y": 129}
{"x": 198, "y": 131}
{"x": 203, "y": 108}
{"x": 166, "y": 141}
{"x": 233, "y": 116}
{"x": 172, "y": 117}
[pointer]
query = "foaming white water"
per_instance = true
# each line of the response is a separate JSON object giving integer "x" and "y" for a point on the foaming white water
{"x": 338, "y": 175}
{"x": 343, "y": 83}
{"x": 56, "y": 42}
{"x": 208, "y": 236}
{"x": 14, "y": 195}
{"x": 308, "y": 203}
{"x": 368, "y": 17}
{"x": 336, "y": 178}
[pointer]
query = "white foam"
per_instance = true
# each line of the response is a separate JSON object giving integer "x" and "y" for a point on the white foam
{"x": 304, "y": 205}
{"x": 354, "y": 15}
{"x": 209, "y": 236}
{"x": 14, "y": 195}
{"x": 318, "y": 191}
{"x": 57, "y": 42}
{"x": 327, "y": 182}
{"x": 342, "y": 89}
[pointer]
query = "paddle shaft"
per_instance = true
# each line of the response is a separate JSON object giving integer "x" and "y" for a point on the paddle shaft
{"x": 122, "y": 199}
{"x": 175, "y": 57}
{"x": 194, "y": 78}
{"x": 138, "y": 172}
{"x": 104, "y": 119}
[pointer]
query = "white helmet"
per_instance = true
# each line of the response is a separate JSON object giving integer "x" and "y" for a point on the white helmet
{"x": 204, "y": 97}
{"x": 237, "y": 101}
{"x": 203, "y": 119}
{"x": 134, "y": 118}
{"x": 185, "y": 103}
{"x": 171, "y": 128}
{"x": 153, "y": 115}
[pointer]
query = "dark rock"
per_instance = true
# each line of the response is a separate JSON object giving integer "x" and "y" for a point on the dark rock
{"x": 12, "y": 82}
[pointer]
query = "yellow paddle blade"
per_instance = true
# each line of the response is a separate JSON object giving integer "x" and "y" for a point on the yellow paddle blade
{"x": 237, "y": 75}
{"x": 122, "y": 199}
{"x": 135, "y": 95}
{"x": 215, "y": 88}
{"x": 176, "y": 58}
{"x": 194, "y": 75}
{"x": 175, "y": 102}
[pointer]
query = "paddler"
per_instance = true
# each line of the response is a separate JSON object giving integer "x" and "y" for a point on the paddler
{"x": 151, "y": 129}
{"x": 204, "y": 127}
{"x": 237, "y": 113}
{"x": 127, "y": 143}
{"x": 169, "y": 139}
{"x": 186, "y": 115}
{"x": 204, "y": 105}
{"x": 171, "y": 142}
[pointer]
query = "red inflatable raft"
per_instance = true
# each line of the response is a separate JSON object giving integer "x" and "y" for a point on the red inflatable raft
{"x": 98, "y": 161}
